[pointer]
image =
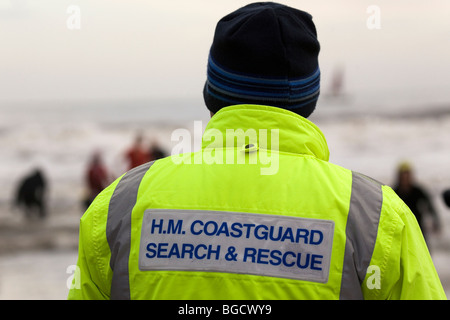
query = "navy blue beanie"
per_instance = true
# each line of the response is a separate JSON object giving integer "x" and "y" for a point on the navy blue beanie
{"x": 264, "y": 53}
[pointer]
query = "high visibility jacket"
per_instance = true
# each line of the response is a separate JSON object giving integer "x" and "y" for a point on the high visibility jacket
{"x": 257, "y": 213}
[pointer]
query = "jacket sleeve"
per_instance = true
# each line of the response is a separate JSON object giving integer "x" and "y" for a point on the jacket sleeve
{"x": 92, "y": 278}
{"x": 401, "y": 257}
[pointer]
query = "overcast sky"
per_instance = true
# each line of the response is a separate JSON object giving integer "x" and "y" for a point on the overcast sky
{"x": 135, "y": 49}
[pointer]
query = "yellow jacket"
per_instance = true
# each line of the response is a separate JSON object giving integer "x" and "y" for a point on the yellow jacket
{"x": 257, "y": 213}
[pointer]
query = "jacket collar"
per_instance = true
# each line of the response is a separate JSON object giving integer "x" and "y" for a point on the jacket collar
{"x": 295, "y": 133}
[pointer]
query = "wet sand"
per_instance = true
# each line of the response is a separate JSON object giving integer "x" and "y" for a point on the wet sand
{"x": 35, "y": 255}
{"x": 56, "y": 232}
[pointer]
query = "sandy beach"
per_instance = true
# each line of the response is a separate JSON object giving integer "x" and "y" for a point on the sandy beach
{"x": 35, "y": 256}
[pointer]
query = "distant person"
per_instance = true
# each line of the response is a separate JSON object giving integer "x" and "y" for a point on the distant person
{"x": 446, "y": 197}
{"x": 96, "y": 178}
{"x": 416, "y": 198}
{"x": 279, "y": 222}
{"x": 337, "y": 82}
{"x": 137, "y": 154}
{"x": 156, "y": 152}
{"x": 31, "y": 194}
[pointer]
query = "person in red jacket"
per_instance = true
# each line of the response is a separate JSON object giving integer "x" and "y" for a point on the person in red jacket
{"x": 96, "y": 178}
{"x": 137, "y": 154}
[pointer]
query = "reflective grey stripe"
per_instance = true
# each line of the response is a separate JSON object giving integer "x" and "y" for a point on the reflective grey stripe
{"x": 118, "y": 229}
{"x": 361, "y": 234}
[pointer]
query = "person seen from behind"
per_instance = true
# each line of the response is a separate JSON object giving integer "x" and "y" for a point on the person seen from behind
{"x": 137, "y": 154}
{"x": 96, "y": 178}
{"x": 31, "y": 195}
{"x": 416, "y": 198}
{"x": 446, "y": 197}
{"x": 259, "y": 212}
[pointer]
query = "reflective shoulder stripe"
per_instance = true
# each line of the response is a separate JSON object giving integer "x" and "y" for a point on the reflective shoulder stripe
{"x": 361, "y": 233}
{"x": 118, "y": 228}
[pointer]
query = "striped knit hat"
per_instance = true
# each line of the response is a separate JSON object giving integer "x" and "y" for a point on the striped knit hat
{"x": 264, "y": 53}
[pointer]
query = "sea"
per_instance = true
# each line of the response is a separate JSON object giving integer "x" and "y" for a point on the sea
{"x": 370, "y": 133}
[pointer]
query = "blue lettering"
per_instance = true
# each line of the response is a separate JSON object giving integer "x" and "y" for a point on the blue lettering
{"x": 151, "y": 253}
{"x": 182, "y": 251}
{"x": 285, "y": 259}
{"x": 174, "y": 251}
{"x": 192, "y": 227}
{"x": 197, "y": 256}
{"x": 288, "y": 235}
{"x": 299, "y": 261}
{"x": 187, "y": 249}
{"x": 158, "y": 226}
{"x": 249, "y": 253}
{"x": 173, "y": 228}
{"x": 271, "y": 232}
{"x": 214, "y": 228}
{"x": 249, "y": 228}
{"x": 236, "y": 227}
{"x": 262, "y": 255}
{"x": 211, "y": 251}
{"x": 276, "y": 257}
{"x": 223, "y": 229}
{"x": 288, "y": 259}
{"x": 263, "y": 235}
{"x": 162, "y": 248}
{"x": 320, "y": 237}
{"x": 302, "y": 233}
{"x": 316, "y": 259}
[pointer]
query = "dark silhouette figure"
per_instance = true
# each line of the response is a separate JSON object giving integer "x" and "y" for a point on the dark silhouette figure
{"x": 156, "y": 152}
{"x": 96, "y": 178}
{"x": 337, "y": 83}
{"x": 31, "y": 195}
{"x": 446, "y": 196}
{"x": 416, "y": 198}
